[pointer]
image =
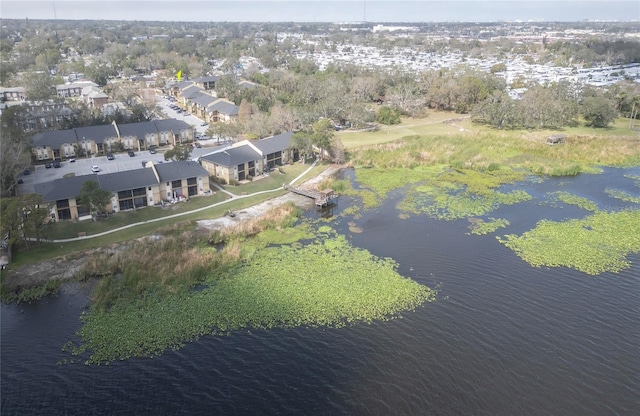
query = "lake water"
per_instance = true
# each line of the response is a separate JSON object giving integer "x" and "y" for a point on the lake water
{"x": 502, "y": 338}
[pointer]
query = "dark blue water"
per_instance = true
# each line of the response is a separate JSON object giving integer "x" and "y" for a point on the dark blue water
{"x": 502, "y": 338}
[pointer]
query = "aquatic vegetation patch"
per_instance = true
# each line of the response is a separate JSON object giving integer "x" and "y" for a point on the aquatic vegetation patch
{"x": 464, "y": 193}
{"x": 635, "y": 178}
{"x": 326, "y": 283}
{"x": 451, "y": 202}
{"x": 571, "y": 199}
{"x": 595, "y": 244}
{"x": 482, "y": 227}
{"x": 622, "y": 195}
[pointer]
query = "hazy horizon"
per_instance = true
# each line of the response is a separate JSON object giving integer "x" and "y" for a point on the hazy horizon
{"x": 326, "y": 11}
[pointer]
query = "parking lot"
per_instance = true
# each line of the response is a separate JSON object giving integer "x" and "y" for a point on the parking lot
{"x": 82, "y": 166}
{"x": 122, "y": 161}
{"x": 194, "y": 121}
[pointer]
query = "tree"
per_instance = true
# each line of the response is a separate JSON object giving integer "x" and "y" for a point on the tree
{"x": 302, "y": 142}
{"x": 388, "y": 116}
{"x": 337, "y": 151}
{"x": 23, "y": 218}
{"x": 498, "y": 110}
{"x": 39, "y": 86}
{"x": 598, "y": 111}
{"x": 14, "y": 154}
{"x": 178, "y": 152}
{"x": 499, "y": 67}
{"x": 224, "y": 131}
{"x": 95, "y": 198}
{"x": 322, "y": 136}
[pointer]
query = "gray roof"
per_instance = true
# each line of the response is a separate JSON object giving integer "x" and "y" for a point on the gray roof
{"x": 97, "y": 133}
{"x": 277, "y": 143}
{"x": 203, "y": 99}
{"x": 54, "y": 138}
{"x": 171, "y": 124}
{"x": 191, "y": 91}
{"x": 208, "y": 78}
{"x": 63, "y": 188}
{"x": 224, "y": 107}
{"x": 179, "y": 170}
{"x": 182, "y": 84}
{"x": 131, "y": 179}
{"x": 233, "y": 156}
{"x": 138, "y": 130}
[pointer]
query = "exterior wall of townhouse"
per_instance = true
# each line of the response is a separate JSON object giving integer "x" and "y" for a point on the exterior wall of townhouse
{"x": 42, "y": 152}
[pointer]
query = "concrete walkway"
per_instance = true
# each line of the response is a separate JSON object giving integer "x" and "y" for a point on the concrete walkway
{"x": 232, "y": 197}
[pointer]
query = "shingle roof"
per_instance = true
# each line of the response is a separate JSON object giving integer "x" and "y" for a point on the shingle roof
{"x": 275, "y": 143}
{"x": 97, "y": 133}
{"x": 138, "y": 130}
{"x": 131, "y": 179}
{"x": 203, "y": 99}
{"x": 54, "y": 138}
{"x": 63, "y": 188}
{"x": 191, "y": 91}
{"x": 224, "y": 107}
{"x": 182, "y": 84}
{"x": 179, "y": 170}
{"x": 233, "y": 156}
{"x": 171, "y": 124}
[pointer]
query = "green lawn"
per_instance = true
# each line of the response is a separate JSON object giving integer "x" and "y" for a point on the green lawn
{"x": 273, "y": 181}
{"x": 70, "y": 229}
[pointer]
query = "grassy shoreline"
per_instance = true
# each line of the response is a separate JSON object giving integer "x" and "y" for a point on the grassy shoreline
{"x": 458, "y": 175}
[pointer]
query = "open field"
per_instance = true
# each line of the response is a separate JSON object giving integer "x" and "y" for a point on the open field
{"x": 434, "y": 125}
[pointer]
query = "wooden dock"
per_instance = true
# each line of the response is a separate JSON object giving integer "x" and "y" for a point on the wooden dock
{"x": 322, "y": 198}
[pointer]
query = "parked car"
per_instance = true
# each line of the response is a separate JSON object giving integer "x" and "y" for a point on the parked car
{"x": 144, "y": 163}
{"x": 110, "y": 156}
{"x": 153, "y": 150}
{"x": 131, "y": 153}
{"x": 72, "y": 160}
{"x": 56, "y": 163}
{"x": 95, "y": 169}
{"x": 48, "y": 165}
{"x": 203, "y": 123}
{"x": 198, "y": 145}
{"x": 26, "y": 172}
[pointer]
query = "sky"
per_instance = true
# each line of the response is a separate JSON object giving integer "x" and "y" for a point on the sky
{"x": 325, "y": 11}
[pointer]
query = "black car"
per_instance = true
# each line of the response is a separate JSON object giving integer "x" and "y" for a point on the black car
{"x": 131, "y": 153}
{"x": 56, "y": 163}
{"x": 153, "y": 150}
{"x": 48, "y": 165}
{"x": 26, "y": 172}
{"x": 144, "y": 163}
{"x": 110, "y": 156}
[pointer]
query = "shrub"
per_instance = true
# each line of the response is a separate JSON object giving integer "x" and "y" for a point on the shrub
{"x": 388, "y": 116}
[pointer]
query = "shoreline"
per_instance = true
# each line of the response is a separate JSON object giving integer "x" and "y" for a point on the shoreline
{"x": 64, "y": 268}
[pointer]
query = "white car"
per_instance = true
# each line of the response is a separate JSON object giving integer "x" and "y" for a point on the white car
{"x": 95, "y": 169}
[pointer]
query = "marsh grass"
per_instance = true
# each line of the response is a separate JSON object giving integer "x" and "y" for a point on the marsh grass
{"x": 173, "y": 260}
{"x": 323, "y": 283}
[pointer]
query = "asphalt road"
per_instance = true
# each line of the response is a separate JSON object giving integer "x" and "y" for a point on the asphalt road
{"x": 194, "y": 121}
